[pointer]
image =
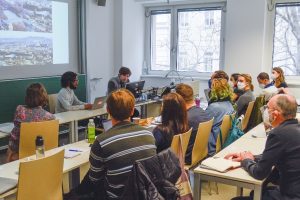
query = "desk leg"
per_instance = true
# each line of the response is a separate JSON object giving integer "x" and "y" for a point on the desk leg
{"x": 197, "y": 187}
{"x": 66, "y": 183}
{"x": 239, "y": 191}
{"x": 71, "y": 131}
{"x": 143, "y": 111}
{"x": 76, "y": 131}
{"x": 257, "y": 192}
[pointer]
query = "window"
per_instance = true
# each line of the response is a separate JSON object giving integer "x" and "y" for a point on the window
{"x": 286, "y": 41}
{"x": 160, "y": 40}
{"x": 185, "y": 39}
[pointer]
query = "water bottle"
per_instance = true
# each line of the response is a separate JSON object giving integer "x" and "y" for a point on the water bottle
{"x": 91, "y": 131}
{"x": 197, "y": 101}
{"x": 39, "y": 147}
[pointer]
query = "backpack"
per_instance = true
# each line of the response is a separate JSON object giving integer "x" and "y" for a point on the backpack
{"x": 234, "y": 132}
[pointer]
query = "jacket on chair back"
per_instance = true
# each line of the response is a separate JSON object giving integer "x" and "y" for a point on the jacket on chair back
{"x": 155, "y": 178}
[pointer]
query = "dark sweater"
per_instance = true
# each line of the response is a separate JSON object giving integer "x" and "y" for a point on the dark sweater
{"x": 282, "y": 150}
{"x": 114, "y": 153}
{"x": 243, "y": 101}
{"x": 196, "y": 115}
{"x": 163, "y": 139}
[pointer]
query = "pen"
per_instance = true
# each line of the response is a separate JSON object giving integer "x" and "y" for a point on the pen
{"x": 75, "y": 150}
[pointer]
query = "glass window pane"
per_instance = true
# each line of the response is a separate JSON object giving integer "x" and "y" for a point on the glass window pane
{"x": 199, "y": 33}
{"x": 286, "y": 53}
{"x": 160, "y": 41}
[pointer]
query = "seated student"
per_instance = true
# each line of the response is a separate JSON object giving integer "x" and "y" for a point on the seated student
{"x": 36, "y": 97}
{"x": 233, "y": 84}
{"x": 216, "y": 74}
{"x": 195, "y": 115}
{"x": 173, "y": 121}
{"x": 114, "y": 152}
{"x": 66, "y": 98}
{"x": 268, "y": 89}
{"x": 264, "y": 80}
{"x": 278, "y": 78}
{"x": 244, "y": 84}
{"x": 219, "y": 105}
{"x": 281, "y": 150}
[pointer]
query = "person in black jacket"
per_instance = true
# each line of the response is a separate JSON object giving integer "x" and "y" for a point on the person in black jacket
{"x": 281, "y": 150}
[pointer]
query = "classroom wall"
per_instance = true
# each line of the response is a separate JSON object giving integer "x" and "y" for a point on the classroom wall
{"x": 244, "y": 37}
{"x": 100, "y": 46}
{"x": 247, "y": 41}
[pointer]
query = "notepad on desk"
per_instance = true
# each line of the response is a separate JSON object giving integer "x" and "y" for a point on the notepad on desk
{"x": 73, "y": 152}
{"x": 219, "y": 164}
{"x": 7, "y": 184}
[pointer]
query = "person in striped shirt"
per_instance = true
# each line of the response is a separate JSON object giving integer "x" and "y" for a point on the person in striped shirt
{"x": 114, "y": 152}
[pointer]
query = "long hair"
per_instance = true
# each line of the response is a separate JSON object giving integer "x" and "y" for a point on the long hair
{"x": 248, "y": 79}
{"x": 220, "y": 90}
{"x": 280, "y": 79}
{"x": 173, "y": 114}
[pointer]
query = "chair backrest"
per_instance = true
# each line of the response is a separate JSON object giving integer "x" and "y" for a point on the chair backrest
{"x": 52, "y": 98}
{"x": 41, "y": 178}
{"x": 224, "y": 128}
{"x": 28, "y": 132}
{"x": 184, "y": 143}
{"x": 247, "y": 115}
{"x": 200, "y": 148}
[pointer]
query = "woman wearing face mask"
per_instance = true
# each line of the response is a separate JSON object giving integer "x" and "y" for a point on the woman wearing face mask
{"x": 233, "y": 84}
{"x": 278, "y": 78}
{"x": 245, "y": 84}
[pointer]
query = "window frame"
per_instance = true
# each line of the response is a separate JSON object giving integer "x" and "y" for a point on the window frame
{"x": 174, "y": 38}
{"x": 291, "y": 79}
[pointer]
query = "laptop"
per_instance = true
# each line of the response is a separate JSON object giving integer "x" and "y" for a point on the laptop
{"x": 99, "y": 102}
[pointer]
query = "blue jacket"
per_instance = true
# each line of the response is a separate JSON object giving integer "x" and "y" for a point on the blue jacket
{"x": 217, "y": 110}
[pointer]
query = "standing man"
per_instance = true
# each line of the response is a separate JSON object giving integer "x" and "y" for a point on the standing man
{"x": 66, "y": 98}
{"x": 119, "y": 81}
{"x": 281, "y": 150}
{"x": 115, "y": 151}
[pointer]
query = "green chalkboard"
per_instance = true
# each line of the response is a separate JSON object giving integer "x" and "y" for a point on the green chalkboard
{"x": 12, "y": 92}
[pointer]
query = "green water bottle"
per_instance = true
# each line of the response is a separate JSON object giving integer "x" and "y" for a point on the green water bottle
{"x": 91, "y": 131}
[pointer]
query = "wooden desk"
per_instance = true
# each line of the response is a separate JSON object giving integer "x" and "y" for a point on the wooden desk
{"x": 237, "y": 177}
{"x": 10, "y": 170}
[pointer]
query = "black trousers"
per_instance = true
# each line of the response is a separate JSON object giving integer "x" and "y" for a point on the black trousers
{"x": 270, "y": 193}
{"x": 87, "y": 190}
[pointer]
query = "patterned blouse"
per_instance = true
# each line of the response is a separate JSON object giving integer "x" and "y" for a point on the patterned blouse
{"x": 25, "y": 114}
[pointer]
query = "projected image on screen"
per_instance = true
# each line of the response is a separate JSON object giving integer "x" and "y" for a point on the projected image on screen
{"x": 30, "y": 34}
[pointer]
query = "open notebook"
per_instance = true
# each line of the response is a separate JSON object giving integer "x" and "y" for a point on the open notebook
{"x": 7, "y": 184}
{"x": 219, "y": 164}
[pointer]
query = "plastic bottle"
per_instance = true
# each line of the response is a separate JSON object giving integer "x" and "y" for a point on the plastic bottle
{"x": 91, "y": 131}
{"x": 39, "y": 147}
{"x": 197, "y": 101}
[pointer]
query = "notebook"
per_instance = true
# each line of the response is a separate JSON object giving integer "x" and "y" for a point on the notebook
{"x": 73, "y": 152}
{"x": 6, "y": 127}
{"x": 219, "y": 164}
{"x": 7, "y": 184}
{"x": 99, "y": 102}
